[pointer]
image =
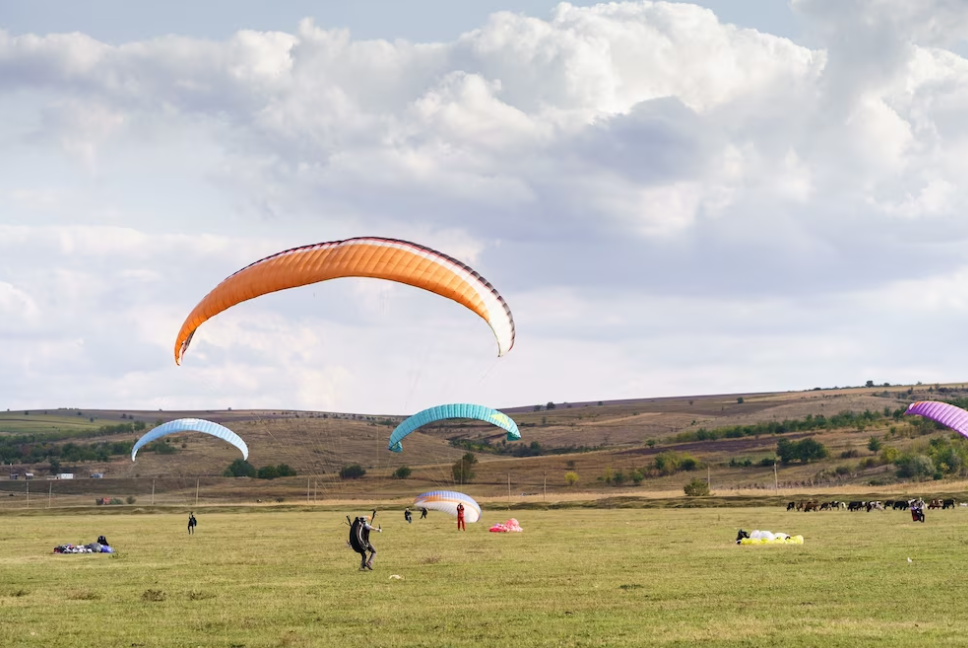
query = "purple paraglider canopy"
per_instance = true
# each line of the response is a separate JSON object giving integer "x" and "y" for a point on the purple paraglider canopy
{"x": 944, "y": 413}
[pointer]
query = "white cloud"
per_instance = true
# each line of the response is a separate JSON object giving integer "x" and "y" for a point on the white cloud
{"x": 669, "y": 204}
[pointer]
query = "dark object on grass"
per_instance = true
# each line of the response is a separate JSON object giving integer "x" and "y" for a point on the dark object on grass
{"x": 360, "y": 540}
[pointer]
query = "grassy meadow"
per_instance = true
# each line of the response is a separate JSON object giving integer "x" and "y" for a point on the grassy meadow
{"x": 56, "y": 424}
{"x": 576, "y": 577}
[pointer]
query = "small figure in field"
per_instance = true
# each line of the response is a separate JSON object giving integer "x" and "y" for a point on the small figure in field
{"x": 360, "y": 540}
{"x": 460, "y": 518}
{"x": 407, "y": 516}
{"x": 917, "y": 510}
{"x": 103, "y": 540}
{"x": 192, "y": 523}
{"x": 423, "y": 513}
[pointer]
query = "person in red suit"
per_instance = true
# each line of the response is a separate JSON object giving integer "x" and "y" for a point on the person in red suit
{"x": 460, "y": 518}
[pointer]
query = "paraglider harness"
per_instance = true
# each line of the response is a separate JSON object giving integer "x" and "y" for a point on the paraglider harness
{"x": 360, "y": 540}
{"x": 739, "y": 536}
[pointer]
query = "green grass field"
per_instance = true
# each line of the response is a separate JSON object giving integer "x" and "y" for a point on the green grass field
{"x": 573, "y": 578}
{"x": 51, "y": 424}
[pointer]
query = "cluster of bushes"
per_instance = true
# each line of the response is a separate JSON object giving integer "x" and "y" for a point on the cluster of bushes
{"x": 40, "y": 447}
{"x": 517, "y": 449}
{"x": 844, "y": 419}
{"x": 804, "y": 451}
{"x": 242, "y": 468}
{"x": 696, "y": 488}
{"x": 122, "y": 428}
{"x": 114, "y": 501}
{"x": 161, "y": 446}
{"x": 17, "y": 449}
{"x": 664, "y": 464}
{"x": 353, "y": 471}
{"x": 669, "y": 462}
{"x": 618, "y": 477}
{"x": 747, "y": 462}
{"x": 940, "y": 458}
{"x": 272, "y": 472}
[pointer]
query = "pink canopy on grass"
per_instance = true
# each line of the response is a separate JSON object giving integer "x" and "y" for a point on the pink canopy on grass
{"x": 511, "y": 526}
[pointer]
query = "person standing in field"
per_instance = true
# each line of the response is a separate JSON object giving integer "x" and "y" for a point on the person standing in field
{"x": 460, "y": 518}
{"x": 360, "y": 541}
{"x": 407, "y": 516}
{"x": 192, "y": 523}
{"x": 423, "y": 513}
{"x": 917, "y": 510}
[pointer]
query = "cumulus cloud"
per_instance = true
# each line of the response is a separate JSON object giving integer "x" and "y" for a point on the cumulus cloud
{"x": 669, "y": 203}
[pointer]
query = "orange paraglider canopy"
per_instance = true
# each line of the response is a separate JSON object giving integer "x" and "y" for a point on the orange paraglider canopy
{"x": 380, "y": 258}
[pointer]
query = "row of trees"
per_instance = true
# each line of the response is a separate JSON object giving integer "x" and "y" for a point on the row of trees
{"x": 41, "y": 447}
{"x": 663, "y": 464}
{"x": 463, "y": 470}
{"x": 355, "y": 471}
{"x": 943, "y": 456}
{"x": 31, "y": 453}
{"x": 809, "y": 423}
{"x": 804, "y": 451}
{"x": 696, "y": 487}
{"x": 517, "y": 449}
{"x": 242, "y": 468}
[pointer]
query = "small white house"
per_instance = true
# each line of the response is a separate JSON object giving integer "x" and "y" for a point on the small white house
{"x": 97, "y": 475}
{"x": 65, "y": 476}
{"x": 28, "y": 475}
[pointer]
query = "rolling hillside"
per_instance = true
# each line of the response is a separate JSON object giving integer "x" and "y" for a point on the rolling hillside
{"x": 605, "y": 443}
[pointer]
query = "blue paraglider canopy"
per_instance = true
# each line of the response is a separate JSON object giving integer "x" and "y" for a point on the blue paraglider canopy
{"x": 453, "y": 411}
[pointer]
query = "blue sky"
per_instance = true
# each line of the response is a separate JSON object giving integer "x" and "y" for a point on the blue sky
{"x": 120, "y": 21}
{"x": 673, "y": 198}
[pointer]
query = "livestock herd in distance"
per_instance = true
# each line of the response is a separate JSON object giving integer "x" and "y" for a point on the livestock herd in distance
{"x": 897, "y": 505}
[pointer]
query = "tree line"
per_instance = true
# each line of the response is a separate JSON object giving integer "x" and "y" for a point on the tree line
{"x": 18, "y": 451}
{"x": 242, "y": 468}
{"x": 809, "y": 423}
{"x": 533, "y": 449}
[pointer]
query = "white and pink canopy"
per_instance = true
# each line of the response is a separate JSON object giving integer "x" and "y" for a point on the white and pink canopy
{"x": 447, "y": 501}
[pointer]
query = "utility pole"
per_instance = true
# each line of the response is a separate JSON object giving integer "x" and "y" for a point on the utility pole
{"x": 545, "y": 496}
{"x": 314, "y": 491}
{"x": 776, "y": 484}
{"x": 28, "y": 494}
{"x": 509, "y": 491}
{"x": 307, "y": 490}
{"x": 709, "y": 483}
{"x": 196, "y": 493}
{"x": 50, "y": 490}
{"x": 152, "y": 492}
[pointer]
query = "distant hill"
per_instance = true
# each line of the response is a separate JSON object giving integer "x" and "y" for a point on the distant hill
{"x": 597, "y": 440}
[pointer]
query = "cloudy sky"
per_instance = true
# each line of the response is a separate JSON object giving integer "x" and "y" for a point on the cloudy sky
{"x": 673, "y": 198}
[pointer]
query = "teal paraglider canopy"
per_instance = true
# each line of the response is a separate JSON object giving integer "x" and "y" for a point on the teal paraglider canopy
{"x": 453, "y": 411}
{"x": 192, "y": 425}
